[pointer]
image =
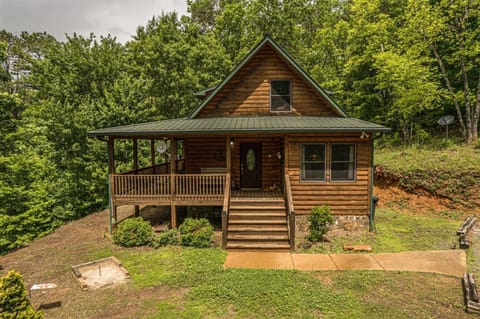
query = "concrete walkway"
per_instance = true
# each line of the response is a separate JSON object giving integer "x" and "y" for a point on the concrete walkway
{"x": 446, "y": 262}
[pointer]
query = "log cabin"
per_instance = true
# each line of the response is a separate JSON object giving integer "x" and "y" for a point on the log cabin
{"x": 266, "y": 145}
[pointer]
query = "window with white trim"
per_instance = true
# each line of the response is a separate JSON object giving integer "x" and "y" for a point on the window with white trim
{"x": 313, "y": 162}
{"x": 280, "y": 95}
{"x": 342, "y": 162}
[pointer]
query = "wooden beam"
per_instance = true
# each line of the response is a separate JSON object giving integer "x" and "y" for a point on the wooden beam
{"x": 135, "y": 168}
{"x": 152, "y": 153}
{"x": 286, "y": 154}
{"x": 173, "y": 157}
{"x": 111, "y": 155}
{"x": 228, "y": 154}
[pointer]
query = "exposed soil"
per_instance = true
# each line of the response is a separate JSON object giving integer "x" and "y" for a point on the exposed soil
{"x": 48, "y": 260}
{"x": 421, "y": 201}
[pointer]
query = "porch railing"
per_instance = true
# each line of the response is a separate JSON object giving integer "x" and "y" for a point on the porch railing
{"x": 150, "y": 187}
{"x": 290, "y": 212}
{"x": 199, "y": 186}
{"x": 134, "y": 187}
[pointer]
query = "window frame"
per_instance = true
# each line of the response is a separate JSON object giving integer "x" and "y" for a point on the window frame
{"x": 290, "y": 95}
{"x": 354, "y": 179}
{"x": 302, "y": 164}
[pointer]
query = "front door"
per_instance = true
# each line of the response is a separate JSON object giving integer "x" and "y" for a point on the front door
{"x": 251, "y": 165}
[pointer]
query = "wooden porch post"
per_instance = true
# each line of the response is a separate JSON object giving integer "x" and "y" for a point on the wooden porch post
{"x": 111, "y": 171}
{"x": 228, "y": 154}
{"x": 152, "y": 153}
{"x": 173, "y": 157}
{"x": 285, "y": 155}
{"x": 135, "y": 167}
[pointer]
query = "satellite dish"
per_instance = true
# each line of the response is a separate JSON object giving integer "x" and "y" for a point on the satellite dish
{"x": 445, "y": 121}
{"x": 161, "y": 147}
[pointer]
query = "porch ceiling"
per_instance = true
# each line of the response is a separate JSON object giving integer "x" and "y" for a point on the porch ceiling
{"x": 235, "y": 125}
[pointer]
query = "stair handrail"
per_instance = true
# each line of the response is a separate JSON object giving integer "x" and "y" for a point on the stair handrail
{"x": 290, "y": 212}
{"x": 225, "y": 209}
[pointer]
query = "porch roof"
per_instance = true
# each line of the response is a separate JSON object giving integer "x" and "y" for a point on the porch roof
{"x": 238, "y": 125}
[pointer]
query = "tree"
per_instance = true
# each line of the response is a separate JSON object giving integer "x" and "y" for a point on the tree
{"x": 13, "y": 298}
{"x": 449, "y": 32}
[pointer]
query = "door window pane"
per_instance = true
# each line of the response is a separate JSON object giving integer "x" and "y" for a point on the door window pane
{"x": 250, "y": 160}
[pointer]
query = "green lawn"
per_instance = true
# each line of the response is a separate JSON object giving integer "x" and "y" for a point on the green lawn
{"x": 400, "y": 231}
{"x": 207, "y": 290}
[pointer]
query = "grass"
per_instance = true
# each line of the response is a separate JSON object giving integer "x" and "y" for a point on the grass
{"x": 452, "y": 171}
{"x": 214, "y": 292}
{"x": 400, "y": 231}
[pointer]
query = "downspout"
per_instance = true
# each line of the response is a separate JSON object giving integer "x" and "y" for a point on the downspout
{"x": 373, "y": 199}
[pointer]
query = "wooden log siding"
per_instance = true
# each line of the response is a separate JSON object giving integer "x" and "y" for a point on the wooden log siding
{"x": 346, "y": 198}
{"x": 204, "y": 153}
{"x": 248, "y": 92}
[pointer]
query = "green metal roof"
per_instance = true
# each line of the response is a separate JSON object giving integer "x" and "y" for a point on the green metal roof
{"x": 288, "y": 58}
{"x": 238, "y": 125}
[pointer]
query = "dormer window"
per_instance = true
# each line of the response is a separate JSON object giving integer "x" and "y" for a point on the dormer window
{"x": 280, "y": 95}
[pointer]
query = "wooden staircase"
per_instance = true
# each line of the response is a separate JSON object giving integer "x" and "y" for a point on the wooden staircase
{"x": 257, "y": 224}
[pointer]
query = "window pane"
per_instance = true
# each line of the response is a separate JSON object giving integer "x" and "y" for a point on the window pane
{"x": 313, "y": 162}
{"x": 315, "y": 171}
{"x": 280, "y": 95}
{"x": 342, "y": 171}
{"x": 280, "y": 87}
{"x": 281, "y": 103}
{"x": 342, "y": 152}
{"x": 314, "y": 152}
{"x": 342, "y": 165}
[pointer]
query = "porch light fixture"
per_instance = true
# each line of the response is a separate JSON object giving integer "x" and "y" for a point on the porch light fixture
{"x": 364, "y": 135}
{"x": 279, "y": 155}
{"x": 232, "y": 142}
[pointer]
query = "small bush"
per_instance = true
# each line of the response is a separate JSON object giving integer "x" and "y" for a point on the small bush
{"x": 13, "y": 299}
{"x": 319, "y": 218}
{"x": 196, "y": 232}
{"x": 133, "y": 232}
{"x": 168, "y": 237}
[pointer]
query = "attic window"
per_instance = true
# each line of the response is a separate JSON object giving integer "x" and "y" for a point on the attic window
{"x": 280, "y": 95}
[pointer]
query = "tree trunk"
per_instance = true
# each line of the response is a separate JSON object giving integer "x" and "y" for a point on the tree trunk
{"x": 463, "y": 129}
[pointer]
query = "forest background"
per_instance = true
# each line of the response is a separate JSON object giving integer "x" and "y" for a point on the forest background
{"x": 400, "y": 63}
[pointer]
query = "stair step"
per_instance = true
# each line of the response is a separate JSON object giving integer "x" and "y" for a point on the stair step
{"x": 257, "y": 228}
{"x": 257, "y": 221}
{"x": 258, "y": 245}
{"x": 257, "y": 237}
{"x": 257, "y": 208}
{"x": 260, "y": 202}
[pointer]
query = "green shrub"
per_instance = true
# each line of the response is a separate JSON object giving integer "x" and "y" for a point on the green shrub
{"x": 133, "y": 232}
{"x": 196, "y": 232}
{"x": 319, "y": 218}
{"x": 13, "y": 299}
{"x": 168, "y": 237}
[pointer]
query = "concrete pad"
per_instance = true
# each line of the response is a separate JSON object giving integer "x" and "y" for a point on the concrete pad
{"x": 258, "y": 259}
{"x": 313, "y": 262}
{"x": 446, "y": 262}
{"x": 355, "y": 262}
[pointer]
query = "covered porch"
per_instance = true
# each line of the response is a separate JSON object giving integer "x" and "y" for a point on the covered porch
{"x": 201, "y": 171}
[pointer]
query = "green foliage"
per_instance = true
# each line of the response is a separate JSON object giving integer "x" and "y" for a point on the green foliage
{"x": 196, "y": 232}
{"x": 14, "y": 303}
{"x": 319, "y": 219}
{"x": 168, "y": 237}
{"x": 133, "y": 232}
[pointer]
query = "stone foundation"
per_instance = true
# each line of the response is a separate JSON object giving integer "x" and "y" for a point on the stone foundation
{"x": 342, "y": 224}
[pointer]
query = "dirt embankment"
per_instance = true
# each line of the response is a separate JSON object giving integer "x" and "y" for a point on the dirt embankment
{"x": 392, "y": 192}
